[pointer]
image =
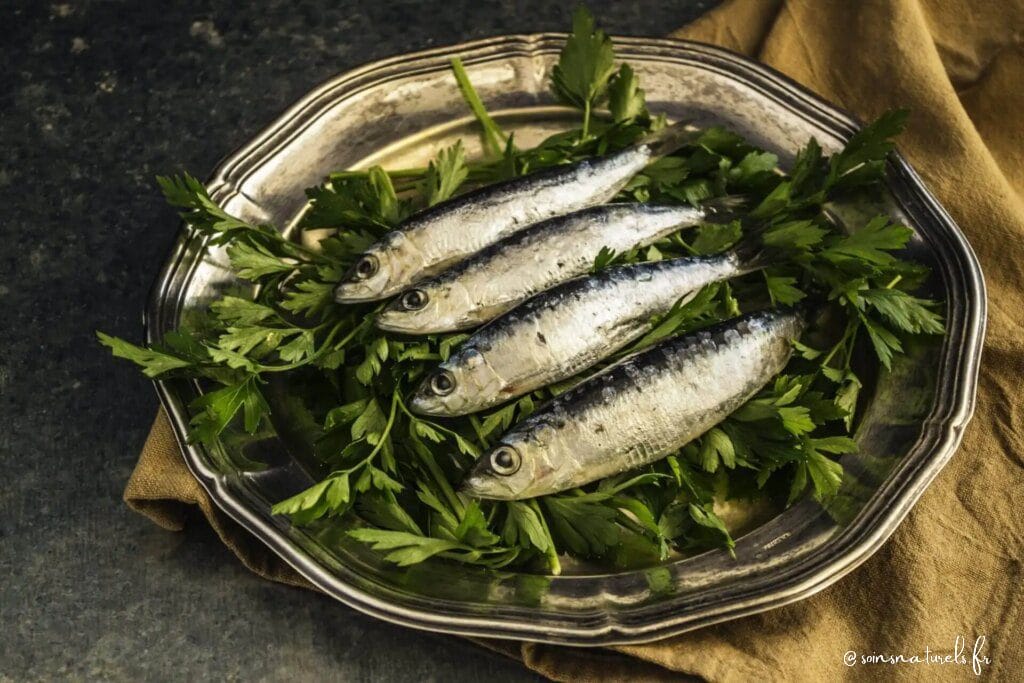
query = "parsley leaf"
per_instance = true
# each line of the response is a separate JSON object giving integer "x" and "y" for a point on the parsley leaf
{"x": 826, "y": 474}
{"x": 872, "y": 243}
{"x": 783, "y": 290}
{"x": 585, "y": 65}
{"x": 405, "y": 548}
{"x": 216, "y": 409}
{"x": 254, "y": 261}
{"x": 152, "y": 361}
{"x": 625, "y": 98}
{"x": 705, "y": 516}
{"x": 584, "y": 524}
{"x": 797, "y": 235}
{"x": 200, "y": 211}
{"x": 906, "y": 312}
{"x": 885, "y": 343}
{"x": 863, "y": 158}
{"x": 525, "y": 528}
{"x": 332, "y": 495}
{"x": 715, "y": 237}
{"x": 604, "y": 259}
{"x": 446, "y": 173}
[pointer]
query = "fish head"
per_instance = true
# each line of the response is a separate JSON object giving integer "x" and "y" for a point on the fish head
{"x": 465, "y": 383}
{"x": 381, "y": 270}
{"x": 514, "y": 469}
{"x": 428, "y": 307}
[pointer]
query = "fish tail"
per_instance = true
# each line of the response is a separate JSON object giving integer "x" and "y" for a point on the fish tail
{"x": 751, "y": 255}
{"x": 751, "y": 251}
{"x": 671, "y": 138}
{"x": 725, "y": 209}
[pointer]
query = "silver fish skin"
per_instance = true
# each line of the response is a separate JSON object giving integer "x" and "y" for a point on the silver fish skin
{"x": 435, "y": 238}
{"x": 565, "y": 330}
{"x": 639, "y": 410}
{"x": 501, "y": 276}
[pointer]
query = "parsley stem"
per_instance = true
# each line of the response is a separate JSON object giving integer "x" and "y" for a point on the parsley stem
{"x": 394, "y": 173}
{"x": 298, "y": 250}
{"x": 851, "y": 328}
{"x": 585, "y": 133}
{"x": 550, "y": 553}
{"x": 494, "y": 138}
{"x": 832, "y": 353}
{"x": 475, "y": 422}
{"x": 678, "y": 239}
{"x": 442, "y": 482}
{"x": 318, "y": 353}
{"x": 894, "y": 282}
{"x": 383, "y": 436}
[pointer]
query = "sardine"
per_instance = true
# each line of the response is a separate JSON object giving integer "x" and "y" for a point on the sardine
{"x": 639, "y": 410}
{"x": 567, "y": 329}
{"x": 444, "y": 234}
{"x": 501, "y": 276}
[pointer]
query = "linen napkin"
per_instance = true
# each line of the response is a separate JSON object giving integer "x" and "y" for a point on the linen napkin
{"x": 955, "y": 567}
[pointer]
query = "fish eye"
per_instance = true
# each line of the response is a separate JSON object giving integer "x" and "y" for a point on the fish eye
{"x": 366, "y": 266}
{"x": 414, "y": 300}
{"x": 442, "y": 383}
{"x": 505, "y": 461}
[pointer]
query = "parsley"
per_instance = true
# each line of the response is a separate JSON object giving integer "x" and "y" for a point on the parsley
{"x": 396, "y": 473}
{"x": 604, "y": 259}
{"x": 446, "y": 174}
{"x": 494, "y": 138}
{"x": 217, "y": 408}
{"x": 863, "y": 158}
{"x": 905, "y": 312}
{"x": 583, "y": 523}
{"x": 405, "y": 548}
{"x": 871, "y": 244}
{"x": 625, "y": 98}
{"x": 584, "y": 68}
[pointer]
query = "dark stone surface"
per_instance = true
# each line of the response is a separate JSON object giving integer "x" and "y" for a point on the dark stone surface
{"x": 95, "y": 99}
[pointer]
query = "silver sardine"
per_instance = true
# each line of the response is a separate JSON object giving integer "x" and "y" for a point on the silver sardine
{"x": 435, "y": 238}
{"x": 501, "y": 276}
{"x": 639, "y": 410}
{"x": 567, "y": 329}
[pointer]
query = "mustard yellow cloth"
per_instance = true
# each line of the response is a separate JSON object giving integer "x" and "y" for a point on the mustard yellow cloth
{"x": 955, "y": 565}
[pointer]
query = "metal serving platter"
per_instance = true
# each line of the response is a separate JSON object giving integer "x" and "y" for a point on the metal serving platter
{"x": 396, "y": 112}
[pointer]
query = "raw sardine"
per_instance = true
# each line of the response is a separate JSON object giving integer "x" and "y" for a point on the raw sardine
{"x": 501, "y": 276}
{"x": 567, "y": 329}
{"x": 639, "y": 410}
{"x": 446, "y": 233}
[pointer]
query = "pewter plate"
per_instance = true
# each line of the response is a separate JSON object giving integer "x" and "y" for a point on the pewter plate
{"x": 396, "y": 112}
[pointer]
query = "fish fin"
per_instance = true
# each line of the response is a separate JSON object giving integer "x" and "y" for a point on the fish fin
{"x": 671, "y": 138}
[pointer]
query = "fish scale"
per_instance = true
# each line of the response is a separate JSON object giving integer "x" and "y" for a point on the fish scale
{"x": 642, "y": 408}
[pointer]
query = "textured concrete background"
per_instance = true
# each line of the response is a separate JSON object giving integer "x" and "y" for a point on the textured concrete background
{"x": 95, "y": 99}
